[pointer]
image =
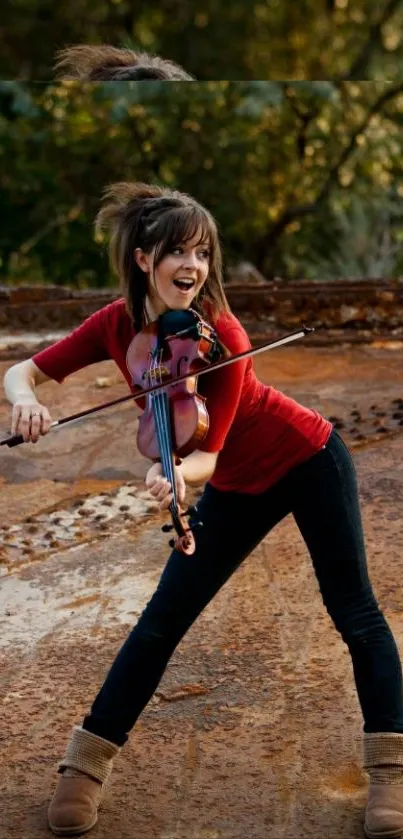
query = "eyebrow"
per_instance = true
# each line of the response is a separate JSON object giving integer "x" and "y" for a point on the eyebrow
{"x": 199, "y": 244}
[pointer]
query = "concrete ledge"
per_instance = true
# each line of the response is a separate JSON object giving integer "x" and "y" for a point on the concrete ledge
{"x": 372, "y": 306}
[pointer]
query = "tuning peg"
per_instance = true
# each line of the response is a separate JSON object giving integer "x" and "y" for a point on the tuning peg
{"x": 166, "y": 528}
{"x": 196, "y": 525}
{"x": 191, "y": 511}
{"x": 171, "y": 543}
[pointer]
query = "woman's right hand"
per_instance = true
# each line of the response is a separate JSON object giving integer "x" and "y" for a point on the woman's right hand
{"x": 31, "y": 419}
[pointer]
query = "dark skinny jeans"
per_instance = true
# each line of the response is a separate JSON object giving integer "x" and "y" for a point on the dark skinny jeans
{"x": 321, "y": 493}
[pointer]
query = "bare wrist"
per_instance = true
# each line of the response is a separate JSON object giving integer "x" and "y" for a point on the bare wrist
{"x": 25, "y": 398}
{"x": 19, "y": 385}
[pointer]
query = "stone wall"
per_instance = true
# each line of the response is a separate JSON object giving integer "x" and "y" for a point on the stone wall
{"x": 360, "y": 310}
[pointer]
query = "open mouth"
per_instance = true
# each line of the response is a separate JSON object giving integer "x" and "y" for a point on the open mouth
{"x": 184, "y": 285}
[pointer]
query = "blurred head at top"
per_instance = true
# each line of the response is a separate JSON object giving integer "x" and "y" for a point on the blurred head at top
{"x": 107, "y": 63}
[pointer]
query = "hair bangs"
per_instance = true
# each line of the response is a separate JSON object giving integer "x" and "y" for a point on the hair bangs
{"x": 180, "y": 225}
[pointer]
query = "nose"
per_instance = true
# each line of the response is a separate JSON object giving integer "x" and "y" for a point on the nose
{"x": 190, "y": 260}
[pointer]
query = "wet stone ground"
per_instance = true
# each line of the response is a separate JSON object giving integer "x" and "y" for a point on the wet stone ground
{"x": 83, "y": 521}
{"x": 255, "y": 729}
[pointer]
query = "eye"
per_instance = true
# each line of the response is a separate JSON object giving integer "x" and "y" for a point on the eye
{"x": 205, "y": 253}
{"x": 176, "y": 250}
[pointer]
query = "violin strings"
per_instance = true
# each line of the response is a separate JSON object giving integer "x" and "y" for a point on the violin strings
{"x": 164, "y": 405}
{"x": 163, "y": 442}
{"x": 161, "y": 413}
{"x": 166, "y": 452}
{"x": 168, "y": 448}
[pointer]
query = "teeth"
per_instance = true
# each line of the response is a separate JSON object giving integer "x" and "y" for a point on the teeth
{"x": 187, "y": 283}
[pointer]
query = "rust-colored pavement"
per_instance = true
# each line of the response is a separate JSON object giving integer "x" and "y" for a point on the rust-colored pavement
{"x": 255, "y": 730}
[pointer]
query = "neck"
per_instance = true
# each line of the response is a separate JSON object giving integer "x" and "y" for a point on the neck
{"x": 149, "y": 310}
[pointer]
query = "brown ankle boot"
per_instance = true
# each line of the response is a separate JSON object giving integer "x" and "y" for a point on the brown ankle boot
{"x": 383, "y": 760}
{"x": 86, "y": 768}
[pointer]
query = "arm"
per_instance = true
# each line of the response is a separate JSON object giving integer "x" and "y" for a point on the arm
{"x": 83, "y": 346}
{"x": 21, "y": 380}
{"x": 198, "y": 467}
{"x": 29, "y": 417}
{"x": 223, "y": 389}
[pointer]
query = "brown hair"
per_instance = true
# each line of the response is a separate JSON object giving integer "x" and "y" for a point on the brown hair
{"x": 106, "y": 63}
{"x": 145, "y": 216}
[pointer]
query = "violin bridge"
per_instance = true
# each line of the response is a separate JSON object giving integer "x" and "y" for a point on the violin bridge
{"x": 157, "y": 374}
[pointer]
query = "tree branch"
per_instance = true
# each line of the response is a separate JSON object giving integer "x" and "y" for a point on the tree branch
{"x": 58, "y": 221}
{"x": 359, "y": 66}
{"x": 305, "y": 118}
{"x": 300, "y": 210}
{"x": 361, "y": 128}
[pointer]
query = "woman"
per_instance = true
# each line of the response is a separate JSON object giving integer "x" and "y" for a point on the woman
{"x": 264, "y": 456}
{"x": 95, "y": 63}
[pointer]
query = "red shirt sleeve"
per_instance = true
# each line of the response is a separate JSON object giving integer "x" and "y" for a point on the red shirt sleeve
{"x": 85, "y": 345}
{"x": 223, "y": 389}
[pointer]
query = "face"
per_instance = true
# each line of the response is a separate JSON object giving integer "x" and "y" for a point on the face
{"x": 179, "y": 276}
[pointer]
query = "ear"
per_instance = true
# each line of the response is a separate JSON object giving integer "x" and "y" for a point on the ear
{"x": 143, "y": 260}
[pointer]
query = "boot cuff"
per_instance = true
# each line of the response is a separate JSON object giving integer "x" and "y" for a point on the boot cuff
{"x": 89, "y": 754}
{"x": 383, "y": 757}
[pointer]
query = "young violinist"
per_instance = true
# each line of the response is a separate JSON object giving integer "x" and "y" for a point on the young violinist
{"x": 264, "y": 456}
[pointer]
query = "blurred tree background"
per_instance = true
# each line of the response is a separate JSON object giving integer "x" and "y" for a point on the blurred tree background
{"x": 304, "y": 178}
{"x": 259, "y": 39}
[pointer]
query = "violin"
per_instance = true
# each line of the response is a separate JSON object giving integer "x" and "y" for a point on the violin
{"x": 165, "y": 360}
{"x": 174, "y": 421}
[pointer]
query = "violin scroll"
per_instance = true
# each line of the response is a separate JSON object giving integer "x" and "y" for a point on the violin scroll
{"x": 184, "y": 543}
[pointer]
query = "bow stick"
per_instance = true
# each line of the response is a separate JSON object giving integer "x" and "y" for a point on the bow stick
{"x": 17, "y": 439}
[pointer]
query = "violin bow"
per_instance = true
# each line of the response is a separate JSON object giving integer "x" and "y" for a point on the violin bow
{"x": 17, "y": 439}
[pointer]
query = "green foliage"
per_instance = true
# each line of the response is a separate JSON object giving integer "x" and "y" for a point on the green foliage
{"x": 259, "y": 39}
{"x": 304, "y": 178}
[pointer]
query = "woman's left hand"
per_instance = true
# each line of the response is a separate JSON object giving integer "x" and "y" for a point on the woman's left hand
{"x": 161, "y": 489}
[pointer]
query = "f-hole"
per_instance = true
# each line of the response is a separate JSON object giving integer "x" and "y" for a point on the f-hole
{"x": 183, "y": 359}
